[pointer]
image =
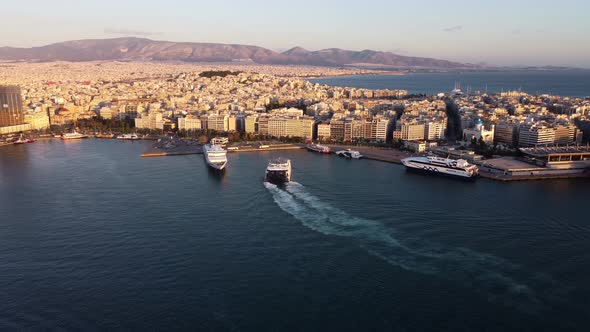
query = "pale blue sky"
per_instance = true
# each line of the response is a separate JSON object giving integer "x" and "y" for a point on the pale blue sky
{"x": 497, "y": 32}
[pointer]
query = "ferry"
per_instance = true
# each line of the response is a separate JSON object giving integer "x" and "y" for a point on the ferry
{"x": 73, "y": 135}
{"x": 350, "y": 154}
{"x": 215, "y": 156}
{"x": 318, "y": 148}
{"x": 132, "y": 137}
{"x": 442, "y": 166}
{"x": 278, "y": 171}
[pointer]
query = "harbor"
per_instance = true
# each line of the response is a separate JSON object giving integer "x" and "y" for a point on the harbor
{"x": 174, "y": 146}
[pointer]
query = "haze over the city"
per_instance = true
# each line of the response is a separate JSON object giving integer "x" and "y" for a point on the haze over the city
{"x": 497, "y": 33}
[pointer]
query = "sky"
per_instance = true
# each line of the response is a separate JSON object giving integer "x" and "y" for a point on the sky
{"x": 498, "y": 32}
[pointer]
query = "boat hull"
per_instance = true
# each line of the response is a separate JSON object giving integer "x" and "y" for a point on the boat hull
{"x": 216, "y": 167}
{"x": 441, "y": 174}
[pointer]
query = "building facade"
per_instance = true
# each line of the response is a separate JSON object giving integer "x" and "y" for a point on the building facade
{"x": 11, "y": 108}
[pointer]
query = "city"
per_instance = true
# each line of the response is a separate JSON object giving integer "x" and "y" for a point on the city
{"x": 539, "y": 136}
{"x": 294, "y": 166}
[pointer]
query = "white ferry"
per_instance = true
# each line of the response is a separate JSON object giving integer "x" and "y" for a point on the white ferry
{"x": 442, "y": 166}
{"x": 318, "y": 148}
{"x": 73, "y": 135}
{"x": 278, "y": 171}
{"x": 215, "y": 156}
{"x": 350, "y": 154}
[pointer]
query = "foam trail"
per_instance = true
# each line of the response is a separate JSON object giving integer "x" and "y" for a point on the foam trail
{"x": 496, "y": 278}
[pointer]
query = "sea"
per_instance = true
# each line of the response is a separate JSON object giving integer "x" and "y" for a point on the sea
{"x": 94, "y": 238}
{"x": 566, "y": 83}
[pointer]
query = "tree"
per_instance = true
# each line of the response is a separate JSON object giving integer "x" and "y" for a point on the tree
{"x": 482, "y": 144}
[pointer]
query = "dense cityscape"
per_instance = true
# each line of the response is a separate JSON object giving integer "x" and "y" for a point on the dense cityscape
{"x": 277, "y": 102}
{"x": 294, "y": 166}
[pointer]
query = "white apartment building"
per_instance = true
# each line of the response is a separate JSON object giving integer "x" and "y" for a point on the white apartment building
{"x": 532, "y": 134}
{"x": 434, "y": 131}
{"x": 190, "y": 122}
{"x": 152, "y": 121}
{"x": 218, "y": 122}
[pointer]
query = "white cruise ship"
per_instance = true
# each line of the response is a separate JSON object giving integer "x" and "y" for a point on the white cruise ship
{"x": 73, "y": 135}
{"x": 278, "y": 171}
{"x": 442, "y": 166}
{"x": 215, "y": 156}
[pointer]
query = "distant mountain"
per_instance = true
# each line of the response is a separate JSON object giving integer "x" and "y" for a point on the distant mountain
{"x": 132, "y": 48}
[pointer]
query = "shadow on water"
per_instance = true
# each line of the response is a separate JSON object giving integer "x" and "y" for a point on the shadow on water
{"x": 493, "y": 277}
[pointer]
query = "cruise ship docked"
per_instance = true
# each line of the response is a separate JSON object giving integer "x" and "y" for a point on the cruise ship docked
{"x": 442, "y": 166}
{"x": 278, "y": 171}
{"x": 215, "y": 156}
{"x": 318, "y": 148}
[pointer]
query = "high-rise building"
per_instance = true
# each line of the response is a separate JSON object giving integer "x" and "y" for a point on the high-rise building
{"x": 506, "y": 132}
{"x": 190, "y": 122}
{"x": 11, "y": 108}
{"x": 251, "y": 124}
{"x": 337, "y": 130}
{"x": 533, "y": 134}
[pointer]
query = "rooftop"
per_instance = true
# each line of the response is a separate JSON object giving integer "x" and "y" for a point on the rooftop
{"x": 547, "y": 151}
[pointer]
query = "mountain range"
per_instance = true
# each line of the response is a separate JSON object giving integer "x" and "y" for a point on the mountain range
{"x": 143, "y": 49}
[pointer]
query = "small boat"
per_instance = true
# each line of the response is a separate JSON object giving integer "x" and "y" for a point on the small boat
{"x": 278, "y": 171}
{"x": 131, "y": 137}
{"x": 318, "y": 148}
{"x": 73, "y": 135}
{"x": 22, "y": 140}
{"x": 350, "y": 154}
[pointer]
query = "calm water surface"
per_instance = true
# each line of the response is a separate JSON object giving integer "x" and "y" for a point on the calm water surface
{"x": 570, "y": 83}
{"x": 92, "y": 237}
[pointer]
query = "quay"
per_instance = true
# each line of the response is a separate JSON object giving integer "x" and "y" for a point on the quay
{"x": 183, "y": 148}
{"x": 503, "y": 169}
{"x": 274, "y": 147}
{"x": 387, "y": 155}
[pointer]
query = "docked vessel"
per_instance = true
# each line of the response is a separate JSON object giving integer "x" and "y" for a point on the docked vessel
{"x": 278, "y": 171}
{"x": 223, "y": 141}
{"x": 442, "y": 166}
{"x": 215, "y": 156}
{"x": 350, "y": 154}
{"x": 129, "y": 137}
{"x": 73, "y": 135}
{"x": 22, "y": 140}
{"x": 318, "y": 148}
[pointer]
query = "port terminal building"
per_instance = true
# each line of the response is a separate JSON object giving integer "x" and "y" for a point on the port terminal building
{"x": 542, "y": 162}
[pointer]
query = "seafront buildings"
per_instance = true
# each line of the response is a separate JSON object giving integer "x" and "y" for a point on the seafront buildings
{"x": 276, "y": 101}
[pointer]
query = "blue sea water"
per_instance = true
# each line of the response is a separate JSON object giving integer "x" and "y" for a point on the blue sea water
{"x": 93, "y": 237}
{"x": 567, "y": 83}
